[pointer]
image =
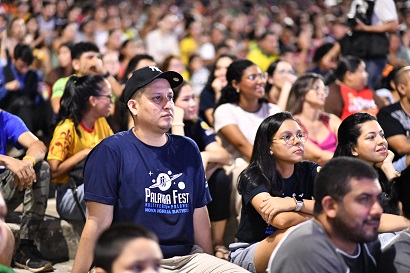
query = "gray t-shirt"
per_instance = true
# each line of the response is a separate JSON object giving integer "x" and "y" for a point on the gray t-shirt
{"x": 395, "y": 257}
{"x": 307, "y": 249}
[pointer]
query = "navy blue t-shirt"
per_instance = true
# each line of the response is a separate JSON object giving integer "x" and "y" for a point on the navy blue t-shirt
{"x": 158, "y": 187}
{"x": 252, "y": 227}
{"x": 200, "y": 132}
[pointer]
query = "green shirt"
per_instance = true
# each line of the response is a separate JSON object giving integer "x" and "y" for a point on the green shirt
{"x": 59, "y": 86}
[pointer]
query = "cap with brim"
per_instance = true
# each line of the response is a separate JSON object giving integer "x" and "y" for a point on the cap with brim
{"x": 146, "y": 75}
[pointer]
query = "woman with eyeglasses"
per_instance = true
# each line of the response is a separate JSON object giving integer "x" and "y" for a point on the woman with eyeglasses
{"x": 281, "y": 76}
{"x": 242, "y": 107}
{"x": 276, "y": 189}
{"x": 349, "y": 94}
{"x": 306, "y": 99}
{"x": 81, "y": 125}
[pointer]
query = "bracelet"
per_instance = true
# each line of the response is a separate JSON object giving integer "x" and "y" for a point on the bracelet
{"x": 398, "y": 173}
{"x": 178, "y": 124}
{"x": 106, "y": 75}
{"x": 32, "y": 157}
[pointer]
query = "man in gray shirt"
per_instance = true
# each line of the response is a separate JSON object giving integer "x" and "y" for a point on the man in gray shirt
{"x": 342, "y": 237}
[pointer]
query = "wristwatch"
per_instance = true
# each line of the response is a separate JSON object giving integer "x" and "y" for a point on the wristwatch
{"x": 299, "y": 202}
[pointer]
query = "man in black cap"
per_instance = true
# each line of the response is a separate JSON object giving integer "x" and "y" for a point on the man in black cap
{"x": 152, "y": 178}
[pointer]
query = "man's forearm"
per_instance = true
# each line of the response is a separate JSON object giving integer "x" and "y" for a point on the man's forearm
{"x": 37, "y": 150}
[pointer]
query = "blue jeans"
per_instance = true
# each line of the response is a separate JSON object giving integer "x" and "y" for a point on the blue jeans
{"x": 374, "y": 68}
{"x": 67, "y": 208}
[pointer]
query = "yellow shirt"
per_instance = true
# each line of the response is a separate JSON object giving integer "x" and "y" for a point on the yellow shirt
{"x": 260, "y": 59}
{"x": 66, "y": 142}
{"x": 187, "y": 47}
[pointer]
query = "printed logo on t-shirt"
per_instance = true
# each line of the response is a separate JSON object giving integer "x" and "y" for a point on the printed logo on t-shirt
{"x": 359, "y": 104}
{"x": 158, "y": 198}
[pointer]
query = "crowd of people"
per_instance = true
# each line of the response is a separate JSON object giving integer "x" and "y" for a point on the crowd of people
{"x": 160, "y": 124}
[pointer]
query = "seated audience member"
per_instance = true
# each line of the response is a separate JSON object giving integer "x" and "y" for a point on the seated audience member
{"x": 6, "y": 239}
{"x": 361, "y": 136}
{"x": 122, "y": 120}
{"x": 306, "y": 100}
{"x": 342, "y": 237}
{"x": 174, "y": 63}
{"x": 266, "y": 51}
{"x": 276, "y": 189}
{"x": 214, "y": 157}
{"x": 395, "y": 120}
{"x": 152, "y": 178}
{"x": 212, "y": 90}
{"x": 241, "y": 108}
{"x": 322, "y": 67}
{"x": 349, "y": 93}
{"x": 111, "y": 63}
{"x": 65, "y": 68}
{"x": 21, "y": 92}
{"x": 129, "y": 49}
{"x": 81, "y": 125}
{"x": 25, "y": 182}
{"x": 387, "y": 90}
{"x": 281, "y": 76}
{"x": 127, "y": 247}
{"x": 85, "y": 61}
{"x": 396, "y": 254}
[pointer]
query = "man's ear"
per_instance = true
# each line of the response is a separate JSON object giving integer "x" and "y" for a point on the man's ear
{"x": 330, "y": 206}
{"x": 133, "y": 107}
{"x": 401, "y": 88}
{"x": 76, "y": 64}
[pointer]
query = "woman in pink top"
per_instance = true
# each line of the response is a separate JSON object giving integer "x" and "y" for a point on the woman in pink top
{"x": 306, "y": 100}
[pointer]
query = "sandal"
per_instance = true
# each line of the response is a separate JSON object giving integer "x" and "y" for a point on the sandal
{"x": 221, "y": 252}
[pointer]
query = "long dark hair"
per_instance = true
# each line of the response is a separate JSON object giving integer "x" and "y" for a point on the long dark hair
{"x": 298, "y": 92}
{"x": 234, "y": 73}
{"x": 349, "y": 132}
{"x": 74, "y": 102}
{"x": 211, "y": 77}
{"x": 262, "y": 167}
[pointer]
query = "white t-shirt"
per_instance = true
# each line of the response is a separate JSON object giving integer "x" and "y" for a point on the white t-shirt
{"x": 248, "y": 122}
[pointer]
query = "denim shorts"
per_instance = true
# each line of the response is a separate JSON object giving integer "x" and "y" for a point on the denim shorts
{"x": 242, "y": 254}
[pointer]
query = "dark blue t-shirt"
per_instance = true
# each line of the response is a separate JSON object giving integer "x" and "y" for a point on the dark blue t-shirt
{"x": 252, "y": 228}
{"x": 200, "y": 132}
{"x": 158, "y": 187}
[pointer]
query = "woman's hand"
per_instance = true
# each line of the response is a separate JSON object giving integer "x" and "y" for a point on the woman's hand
{"x": 387, "y": 161}
{"x": 273, "y": 205}
{"x": 387, "y": 166}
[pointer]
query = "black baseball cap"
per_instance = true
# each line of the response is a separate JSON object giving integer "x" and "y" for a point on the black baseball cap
{"x": 146, "y": 75}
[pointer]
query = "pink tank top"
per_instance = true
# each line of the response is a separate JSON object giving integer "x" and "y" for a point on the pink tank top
{"x": 329, "y": 144}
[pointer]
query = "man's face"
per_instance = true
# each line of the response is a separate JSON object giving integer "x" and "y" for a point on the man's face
{"x": 358, "y": 214}
{"x": 154, "y": 107}
{"x": 21, "y": 66}
{"x": 269, "y": 45}
{"x": 87, "y": 63}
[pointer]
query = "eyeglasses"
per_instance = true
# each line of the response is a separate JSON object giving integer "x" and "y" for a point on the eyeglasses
{"x": 289, "y": 138}
{"x": 110, "y": 97}
{"x": 283, "y": 72}
{"x": 324, "y": 89}
{"x": 262, "y": 76}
